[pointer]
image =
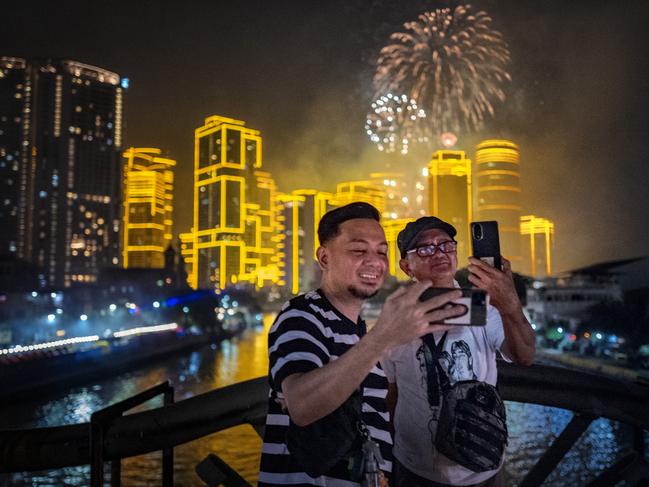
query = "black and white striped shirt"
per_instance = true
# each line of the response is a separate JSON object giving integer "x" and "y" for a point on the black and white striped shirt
{"x": 307, "y": 334}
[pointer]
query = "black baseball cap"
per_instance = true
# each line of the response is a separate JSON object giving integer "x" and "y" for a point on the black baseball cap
{"x": 407, "y": 239}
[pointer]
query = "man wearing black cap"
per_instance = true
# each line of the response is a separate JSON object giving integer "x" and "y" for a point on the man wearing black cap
{"x": 319, "y": 354}
{"x": 428, "y": 254}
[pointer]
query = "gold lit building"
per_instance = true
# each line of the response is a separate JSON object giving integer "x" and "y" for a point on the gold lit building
{"x": 298, "y": 216}
{"x": 367, "y": 191}
{"x": 404, "y": 196}
{"x": 449, "y": 195}
{"x": 148, "y": 197}
{"x": 538, "y": 240}
{"x": 498, "y": 193}
{"x": 392, "y": 229}
{"x": 234, "y": 232}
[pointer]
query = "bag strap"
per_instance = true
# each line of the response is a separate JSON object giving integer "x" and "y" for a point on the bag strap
{"x": 438, "y": 381}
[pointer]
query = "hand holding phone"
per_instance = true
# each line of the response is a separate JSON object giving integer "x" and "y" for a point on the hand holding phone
{"x": 485, "y": 243}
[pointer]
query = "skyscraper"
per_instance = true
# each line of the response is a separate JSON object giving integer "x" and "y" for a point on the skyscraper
{"x": 498, "y": 193}
{"x": 70, "y": 203}
{"x": 392, "y": 229}
{"x": 538, "y": 240}
{"x": 299, "y": 215}
{"x": 15, "y": 119}
{"x": 367, "y": 191}
{"x": 148, "y": 207}
{"x": 449, "y": 195}
{"x": 234, "y": 231}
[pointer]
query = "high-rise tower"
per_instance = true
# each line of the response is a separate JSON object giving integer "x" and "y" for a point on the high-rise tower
{"x": 69, "y": 206}
{"x": 232, "y": 239}
{"x": 299, "y": 214}
{"x": 15, "y": 170}
{"x": 498, "y": 193}
{"x": 148, "y": 207}
{"x": 449, "y": 195}
{"x": 538, "y": 240}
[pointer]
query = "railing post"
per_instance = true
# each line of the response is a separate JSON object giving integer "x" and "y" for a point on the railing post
{"x": 557, "y": 450}
{"x": 96, "y": 453}
{"x": 168, "y": 453}
{"x": 116, "y": 472}
{"x": 101, "y": 420}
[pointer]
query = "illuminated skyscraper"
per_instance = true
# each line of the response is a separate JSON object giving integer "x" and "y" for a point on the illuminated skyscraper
{"x": 392, "y": 229}
{"x": 299, "y": 215}
{"x": 69, "y": 203}
{"x": 15, "y": 132}
{"x": 538, "y": 240}
{"x": 261, "y": 265}
{"x": 499, "y": 193}
{"x": 449, "y": 195}
{"x": 367, "y": 191}
{"x": 234, "y": 232}
{"x": 405, "y": 196}
{"x": 148, "y": 198}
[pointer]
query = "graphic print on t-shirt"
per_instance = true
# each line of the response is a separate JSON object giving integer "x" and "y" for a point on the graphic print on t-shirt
{"x": 458, "y": 364}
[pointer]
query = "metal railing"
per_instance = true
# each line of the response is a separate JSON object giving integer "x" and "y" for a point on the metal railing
{"x": 101, "y": 421}
{"x": 589, "y": 396}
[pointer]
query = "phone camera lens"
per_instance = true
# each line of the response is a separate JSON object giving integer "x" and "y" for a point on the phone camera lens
{"x": 477, "y": 231}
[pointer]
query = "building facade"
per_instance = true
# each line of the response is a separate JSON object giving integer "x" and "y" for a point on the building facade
{"x": 538, "y": 242}
{"x": 498, "y": 193}
{"x": 234, "y": 233}
{"x": 148, "y": 208}
{"x": 298, "y": 216}
{"x": 69, "y": 175}
{"x": 15, "y": 136}
{"x": 368, "y": 191}
{"x": 450, "y": 197}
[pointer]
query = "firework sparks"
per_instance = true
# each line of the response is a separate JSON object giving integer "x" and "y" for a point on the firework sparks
{"x": 451, "y": 63}
{"x": 393, "y": 123}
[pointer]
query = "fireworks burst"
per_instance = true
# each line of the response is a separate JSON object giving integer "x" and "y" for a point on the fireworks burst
{"x": 393, "y": 123}
{"x": 451, "y": 63}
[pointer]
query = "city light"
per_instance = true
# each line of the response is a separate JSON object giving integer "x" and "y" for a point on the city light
{"x": 112, "y": 307}
{"x": 140, "y": 330}
{"x": 44, "y": 345}
{"x": 156, "y": 304}
{"x": 83, "y": 317}
{"x": 51, "y": 317}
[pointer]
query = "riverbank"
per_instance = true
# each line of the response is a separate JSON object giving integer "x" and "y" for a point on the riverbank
{"x": 592, "y": 364}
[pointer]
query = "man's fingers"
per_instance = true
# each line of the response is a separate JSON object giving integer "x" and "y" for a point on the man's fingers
{"x": 483, "y": 266}
{"x": 450, "y": 311}
{"x": 401, "y": 290}
{"x": 441, "y": 300}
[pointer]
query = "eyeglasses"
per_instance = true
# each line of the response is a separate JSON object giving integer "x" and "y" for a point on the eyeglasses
{"x": 445, "y": 247}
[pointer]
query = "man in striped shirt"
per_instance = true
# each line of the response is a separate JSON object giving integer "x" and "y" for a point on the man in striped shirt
{"x": 318, "y": 352}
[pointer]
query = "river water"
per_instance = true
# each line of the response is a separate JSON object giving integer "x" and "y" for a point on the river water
{"x": 532, "y": 428}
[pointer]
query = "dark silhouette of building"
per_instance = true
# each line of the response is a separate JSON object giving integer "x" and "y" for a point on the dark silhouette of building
{"x": 68, "y": 140}
{"x": 15, "y": 109}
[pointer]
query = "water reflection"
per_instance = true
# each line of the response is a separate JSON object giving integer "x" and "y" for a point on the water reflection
{"x": 532, "y": 427}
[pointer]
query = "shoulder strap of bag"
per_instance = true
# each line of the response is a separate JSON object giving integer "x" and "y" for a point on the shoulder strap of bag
{"x": 437, "y": 379}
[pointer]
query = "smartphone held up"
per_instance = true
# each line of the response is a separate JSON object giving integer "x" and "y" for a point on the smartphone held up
{"x": 485, "y": 243}
{"x": 473, "y": 300}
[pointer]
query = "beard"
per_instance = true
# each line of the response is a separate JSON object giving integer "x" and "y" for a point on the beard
{"x": 361, "y": 293}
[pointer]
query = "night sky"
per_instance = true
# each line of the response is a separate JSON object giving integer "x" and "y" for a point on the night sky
{"x": 300, "y": 72}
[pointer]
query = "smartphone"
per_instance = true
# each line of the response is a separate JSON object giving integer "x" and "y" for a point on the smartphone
{"x": 474, "y": 301}
{"x": 485, "y": 243}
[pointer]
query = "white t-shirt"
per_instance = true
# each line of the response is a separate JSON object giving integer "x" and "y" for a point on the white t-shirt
{"x": 469, "y": 353}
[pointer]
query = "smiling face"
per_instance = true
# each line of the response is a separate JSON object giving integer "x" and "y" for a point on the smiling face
{"x": 439, "y": 268}
{"x": 354, "y": 263}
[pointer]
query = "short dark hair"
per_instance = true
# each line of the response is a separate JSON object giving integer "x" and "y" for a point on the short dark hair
{"x": 329, "y": 225}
